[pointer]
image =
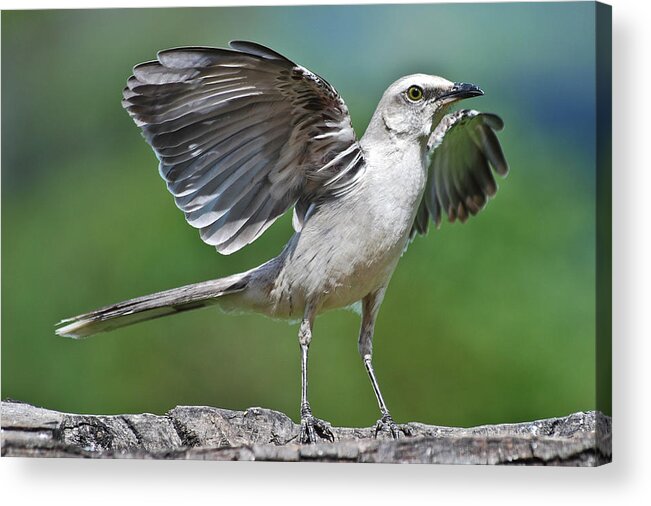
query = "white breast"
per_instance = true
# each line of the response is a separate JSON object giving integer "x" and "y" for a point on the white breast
{"x": 350, "y": 246}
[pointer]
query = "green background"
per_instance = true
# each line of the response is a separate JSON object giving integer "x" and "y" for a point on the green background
{"x": 491, "y": 321}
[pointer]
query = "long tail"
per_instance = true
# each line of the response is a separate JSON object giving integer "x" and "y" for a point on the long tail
{"x": 151, "y": 306}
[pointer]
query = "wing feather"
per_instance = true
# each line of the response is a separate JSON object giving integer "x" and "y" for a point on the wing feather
{"x": 242, "y": 135}
{"x": 464, "y": 152}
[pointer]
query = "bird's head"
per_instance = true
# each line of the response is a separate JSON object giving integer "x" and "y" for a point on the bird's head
{"x": 411, "y": 105}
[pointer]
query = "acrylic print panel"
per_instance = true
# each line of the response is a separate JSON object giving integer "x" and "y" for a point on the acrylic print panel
{"x": 501, "y": 320}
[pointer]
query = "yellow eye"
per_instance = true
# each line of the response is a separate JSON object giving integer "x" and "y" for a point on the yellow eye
{"x": 415, "y": 93}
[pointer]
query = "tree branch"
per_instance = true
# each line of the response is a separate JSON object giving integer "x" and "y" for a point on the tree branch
{"x": 580, "y": 439}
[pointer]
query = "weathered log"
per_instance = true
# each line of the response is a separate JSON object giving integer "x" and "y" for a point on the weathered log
{"x": 580, "y": 439}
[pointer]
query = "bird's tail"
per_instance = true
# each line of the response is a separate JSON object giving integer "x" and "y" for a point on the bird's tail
{"x": 152, "y": 306}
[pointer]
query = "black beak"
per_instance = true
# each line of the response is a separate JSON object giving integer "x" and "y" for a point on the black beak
{"x": 460, "y": 91}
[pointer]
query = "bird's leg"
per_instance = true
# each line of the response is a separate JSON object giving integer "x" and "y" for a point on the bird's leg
{"x": 385, "y": 423}
{"x": 312, "y": 428}
{"x": 370, "y": 307}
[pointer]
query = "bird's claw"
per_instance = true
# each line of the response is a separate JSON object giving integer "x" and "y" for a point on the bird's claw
{"x": 386, "y": 424}
{"x": 313, "y": 429}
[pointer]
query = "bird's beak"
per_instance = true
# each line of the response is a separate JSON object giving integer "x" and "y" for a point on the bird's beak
{"x": 460, "y": 91}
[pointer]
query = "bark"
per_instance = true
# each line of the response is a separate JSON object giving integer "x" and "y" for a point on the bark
{"x": 196, "y": 432}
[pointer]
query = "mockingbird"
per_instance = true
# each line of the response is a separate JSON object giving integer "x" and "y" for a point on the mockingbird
{"x": 244, "y": 134}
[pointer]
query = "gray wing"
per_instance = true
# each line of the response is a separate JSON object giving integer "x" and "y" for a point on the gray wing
{"x": 464, "y": 153}
{"x": 242, "y": 135}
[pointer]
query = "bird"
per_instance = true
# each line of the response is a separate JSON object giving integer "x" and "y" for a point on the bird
{"x": 243, "y": 134}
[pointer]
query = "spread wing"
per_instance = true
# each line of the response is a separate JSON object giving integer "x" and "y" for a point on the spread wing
{"x": 242, "y": 135}
{"x": 464, "y": 152}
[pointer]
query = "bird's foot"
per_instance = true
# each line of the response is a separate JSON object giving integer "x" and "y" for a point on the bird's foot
{"x": 386, "y": 424}
{"x": 314, "y": 429}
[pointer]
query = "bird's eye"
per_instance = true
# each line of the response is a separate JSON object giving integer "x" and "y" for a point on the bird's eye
{"x": 415, "y": 93}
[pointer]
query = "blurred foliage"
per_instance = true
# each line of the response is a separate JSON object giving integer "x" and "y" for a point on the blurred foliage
{"x": 491, "y": 321}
